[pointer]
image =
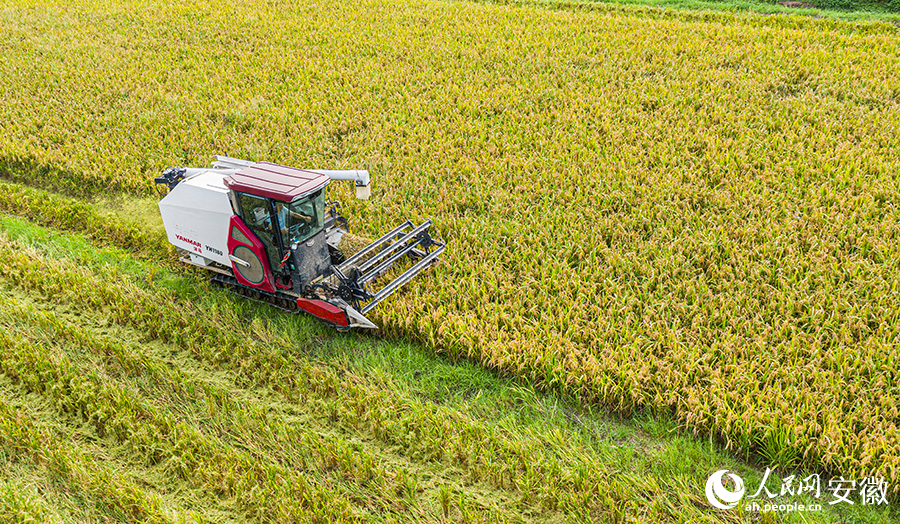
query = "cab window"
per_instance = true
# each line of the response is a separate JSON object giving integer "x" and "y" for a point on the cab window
{"x": 301, "y": 219}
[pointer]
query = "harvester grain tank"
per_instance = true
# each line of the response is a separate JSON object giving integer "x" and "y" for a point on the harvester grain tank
{"x": 267, "y": 232}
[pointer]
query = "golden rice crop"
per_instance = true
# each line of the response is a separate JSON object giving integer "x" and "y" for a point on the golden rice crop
{"x": 695, "y": 214}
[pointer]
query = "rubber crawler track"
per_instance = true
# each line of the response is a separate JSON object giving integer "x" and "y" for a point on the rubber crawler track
{"x": 278, "y": 300}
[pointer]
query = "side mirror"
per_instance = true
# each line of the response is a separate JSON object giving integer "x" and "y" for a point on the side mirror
{"x": 363, "y": 192}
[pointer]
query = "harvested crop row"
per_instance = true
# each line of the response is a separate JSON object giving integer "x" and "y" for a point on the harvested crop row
{"x": 73, "y": 215}
{"x": 19, "y": 435}
{"x": 169, "y": 388}
{"x": 274, "y": 493}
{"x": 346, "y": 467}
{"x": 692, "y": 215}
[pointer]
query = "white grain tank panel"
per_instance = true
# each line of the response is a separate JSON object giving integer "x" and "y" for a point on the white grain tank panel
{"x": 196, "y": 215}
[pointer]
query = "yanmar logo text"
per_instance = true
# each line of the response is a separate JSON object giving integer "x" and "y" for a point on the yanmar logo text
{"x": 188, "y": 240}
{"x": 196, "y": 245}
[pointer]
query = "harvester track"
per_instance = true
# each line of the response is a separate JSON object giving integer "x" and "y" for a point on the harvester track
{"x": 278, "y": 300}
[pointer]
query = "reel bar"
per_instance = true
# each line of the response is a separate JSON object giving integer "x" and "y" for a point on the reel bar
{"x": 407, "y": 275}
{"x": 364, "y": 267}
{"x": 364, "y": 251}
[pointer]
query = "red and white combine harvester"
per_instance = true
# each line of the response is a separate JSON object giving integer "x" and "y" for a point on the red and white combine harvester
{"x": 268, "y": 233}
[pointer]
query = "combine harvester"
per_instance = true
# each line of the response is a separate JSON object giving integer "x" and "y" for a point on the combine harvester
{"x": 268, "y": 233}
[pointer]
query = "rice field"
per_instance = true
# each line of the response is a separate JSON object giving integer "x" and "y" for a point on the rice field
{"x": 686, "y": 213}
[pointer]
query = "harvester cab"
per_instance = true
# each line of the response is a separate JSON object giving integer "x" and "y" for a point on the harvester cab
{"x": 267, "y": 232}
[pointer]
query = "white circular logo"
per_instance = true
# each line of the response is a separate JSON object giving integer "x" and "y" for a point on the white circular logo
{"x": 720, "y": 496}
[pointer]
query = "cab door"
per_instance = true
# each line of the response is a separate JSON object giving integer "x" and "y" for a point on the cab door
{"x": 249, "y": 259}
{"x": 258, "y": 215}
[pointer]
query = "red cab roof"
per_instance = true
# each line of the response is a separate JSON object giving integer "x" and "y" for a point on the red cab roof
{"x": 274, "y": 181}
